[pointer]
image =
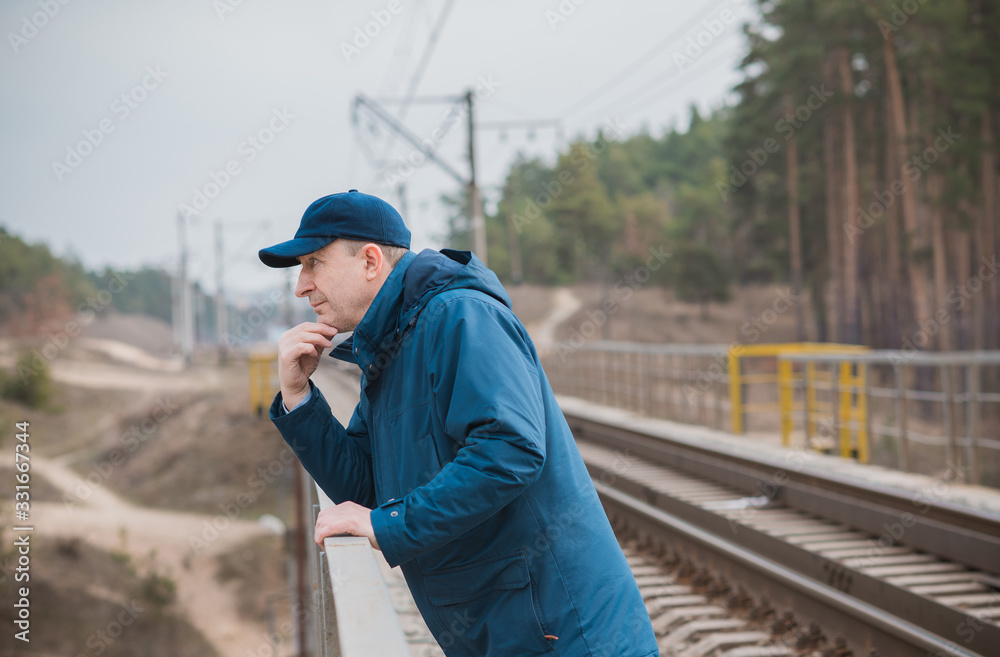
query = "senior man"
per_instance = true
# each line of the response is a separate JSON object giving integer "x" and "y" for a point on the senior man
{"x": 457, "y": 462}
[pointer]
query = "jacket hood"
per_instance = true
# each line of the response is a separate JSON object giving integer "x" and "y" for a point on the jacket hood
{"x": 414, "y": 281}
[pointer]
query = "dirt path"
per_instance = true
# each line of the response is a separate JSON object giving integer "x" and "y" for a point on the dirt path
{"x": 208, "y": 605}
{"x": 133, "y": 368}
{"x": 127, "y": 353}
{"x": 117, "y": 377}
{"x": 564, "y": 305}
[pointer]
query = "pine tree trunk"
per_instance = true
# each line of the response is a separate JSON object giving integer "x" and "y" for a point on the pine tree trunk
{"x": 918, "y": 286}
{"x": 986, "y": 304}
{"x": 834, "y": 198}
{"x": 852, "y": 332}
{"x": 794, "y": 238}
{"x": 893, "y": 247}
{"x": 962, "y": 257}
{"x": 871, "y": 288}
{"x": 872, "y": 275}
{"x": 819, "y": 309}
{"x": 935, "y": 189}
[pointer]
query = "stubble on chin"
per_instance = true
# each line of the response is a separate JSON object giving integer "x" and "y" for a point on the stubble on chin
{"x": 344, "y": 320}
{"x": 341, "y": 324}
{"x": 331, "y": 321}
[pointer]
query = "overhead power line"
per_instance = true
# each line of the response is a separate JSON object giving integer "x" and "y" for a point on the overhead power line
{"x": 397, "y": 127}
{"x": 404, "y": 44}
{"x": 641, "y": 61}
{"x": 652, "y": 87}
{"x": 418, "y": 74}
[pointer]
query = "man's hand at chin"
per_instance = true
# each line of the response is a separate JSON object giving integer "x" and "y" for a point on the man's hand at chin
{"x": 345, "y": 518}
{"x": 299, "y": 351}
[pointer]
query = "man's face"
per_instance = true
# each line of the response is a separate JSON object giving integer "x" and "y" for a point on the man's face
{"x": 336, "y": 285}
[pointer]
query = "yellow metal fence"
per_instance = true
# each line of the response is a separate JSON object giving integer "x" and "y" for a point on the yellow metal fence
{"x": 847, "y": 413}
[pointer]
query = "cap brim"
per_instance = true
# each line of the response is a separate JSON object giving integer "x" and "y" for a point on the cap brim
{"x": 287, "y": 253}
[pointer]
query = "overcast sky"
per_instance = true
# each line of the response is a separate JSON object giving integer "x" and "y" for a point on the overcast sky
{"x": 115, "y": 113}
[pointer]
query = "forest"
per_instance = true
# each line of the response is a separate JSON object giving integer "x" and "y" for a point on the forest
{"x": 859, "y": 164}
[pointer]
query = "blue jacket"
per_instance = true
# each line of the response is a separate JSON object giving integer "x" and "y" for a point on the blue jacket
{"x": 477, "y": 488}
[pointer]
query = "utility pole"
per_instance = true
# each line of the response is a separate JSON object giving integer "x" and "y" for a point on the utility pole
{"x": 514, "y": 244}
{"x": 475, "y": 203}
{"x": 289, "y": 295}
{"x": 186, "y": 315}
{"x": 221, "y": 315}
{"x": 404, "y": 208}
{"x": 477, "y": 220}
{"x": 175, "y": 314}
{"x": 475, "y": 212}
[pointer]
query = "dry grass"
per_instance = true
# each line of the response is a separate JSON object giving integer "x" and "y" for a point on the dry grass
{"x": 655, "y": 315}
{"x": 78, "y": 591}
{"x": 203, "y": 455}
{"x": 258, "y": 568}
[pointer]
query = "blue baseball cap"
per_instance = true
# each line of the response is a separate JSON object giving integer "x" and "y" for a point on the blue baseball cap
{"x": 349, "y": 215}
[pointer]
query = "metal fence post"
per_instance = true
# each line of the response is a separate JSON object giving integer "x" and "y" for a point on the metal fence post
{"x": 590, "y": 365}
{"x": 904, "y": 443}
{"x": 786, "y": 399}
{"x": 948, "y": 416}
{"x": 634, "y": 395}
{"x": 716, "y": 386}
{"x": 809, "y": 401}
{"x": 735, "y": 393}
{"x": 646, "y": 385}
{"x": 682, "y": 403}
{"x": 844, "y": 409}
{"x": 864, "y": 418}
{"x": 605, "y": 374}
{"x": 701, "y": 399}
{"x": 972, "y": 422}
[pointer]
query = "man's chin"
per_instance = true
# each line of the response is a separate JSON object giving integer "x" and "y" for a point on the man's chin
{"x": 331, "y": 321}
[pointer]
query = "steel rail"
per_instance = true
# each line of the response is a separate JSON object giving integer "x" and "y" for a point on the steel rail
{"x": 675, "y": 480}
{"x": 962, "y": 534}
{"x": 864, "y": 626}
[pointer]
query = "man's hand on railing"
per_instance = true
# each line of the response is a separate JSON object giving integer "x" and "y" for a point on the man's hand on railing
{"x": 346, "y": 518}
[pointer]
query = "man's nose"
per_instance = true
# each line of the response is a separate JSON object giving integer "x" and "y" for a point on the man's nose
{"x": 304, "y": 284}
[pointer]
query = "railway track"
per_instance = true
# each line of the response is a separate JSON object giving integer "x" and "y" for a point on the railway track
{"x": 747, "y": 555}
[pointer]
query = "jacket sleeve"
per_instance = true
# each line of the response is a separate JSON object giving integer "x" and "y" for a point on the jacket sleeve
{"x": 487, "y": 395}
{"x": 338, "y": 459}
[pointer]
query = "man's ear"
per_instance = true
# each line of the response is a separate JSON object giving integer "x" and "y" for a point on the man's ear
{"x": 374, "y": 261}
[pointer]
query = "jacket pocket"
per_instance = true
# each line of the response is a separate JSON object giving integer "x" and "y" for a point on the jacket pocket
{"x": 487, "y": 608}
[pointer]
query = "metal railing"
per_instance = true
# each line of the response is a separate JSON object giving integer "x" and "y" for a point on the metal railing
{"x": 918, "y": 412}
{"x": 357, "y": 616}
{"x": 686, "y": 383}
{"x": 703, "y": 384}
{"x": 351, "y": 613}
{"x": 905, "y": 396}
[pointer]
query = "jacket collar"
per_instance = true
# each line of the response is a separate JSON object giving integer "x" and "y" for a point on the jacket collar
{"x": 411, "y": 284}
{"x": 379, "y": 322}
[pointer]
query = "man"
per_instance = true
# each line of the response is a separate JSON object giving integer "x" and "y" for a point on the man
{"x": 457, "y": 463}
